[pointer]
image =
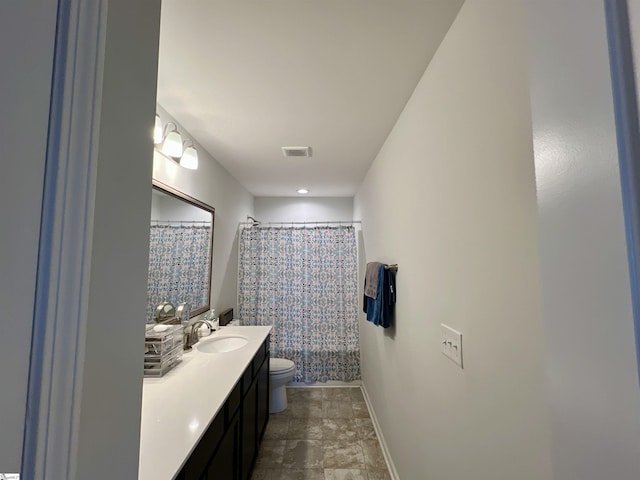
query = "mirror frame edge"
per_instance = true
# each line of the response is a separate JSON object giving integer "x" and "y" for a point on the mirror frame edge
{"x": 173, "y": 192}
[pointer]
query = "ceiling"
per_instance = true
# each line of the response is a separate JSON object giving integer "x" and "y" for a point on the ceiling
{"x": 248, "y": 77}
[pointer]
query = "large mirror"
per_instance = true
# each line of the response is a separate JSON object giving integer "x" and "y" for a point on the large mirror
{"x": 180, "y": 251}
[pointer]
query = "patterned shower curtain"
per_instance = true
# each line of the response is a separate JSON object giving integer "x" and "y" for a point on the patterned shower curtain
{"x": 303, "y": 281}
{"x": 178, "y": 265}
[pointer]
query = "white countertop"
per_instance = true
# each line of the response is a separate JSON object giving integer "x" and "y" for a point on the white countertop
{"x": 177, "y": 408}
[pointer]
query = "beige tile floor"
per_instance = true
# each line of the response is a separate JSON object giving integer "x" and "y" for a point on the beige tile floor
{"x": 324, "y": 434}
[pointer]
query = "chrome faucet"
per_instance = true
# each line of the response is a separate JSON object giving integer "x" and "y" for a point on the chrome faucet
{"x": 190, "y": 337}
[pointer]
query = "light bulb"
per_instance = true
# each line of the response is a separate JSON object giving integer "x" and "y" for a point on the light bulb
{"x": 172, "y": 145}
{"x": 157, "y": 131}
{"x": 189, "y": 158}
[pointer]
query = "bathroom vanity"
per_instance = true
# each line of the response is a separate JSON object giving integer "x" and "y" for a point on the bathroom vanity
{"x": 204, "y": 420}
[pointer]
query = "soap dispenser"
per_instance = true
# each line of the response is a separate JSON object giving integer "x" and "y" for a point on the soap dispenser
{"x": 212, "y": 318}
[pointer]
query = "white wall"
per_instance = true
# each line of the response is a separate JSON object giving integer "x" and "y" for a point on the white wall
{"x": 592, "y": 371}
{"x": 451, "y": 199}
{"x": 109, "y": 428}
{"x": 213, "y": 185}
{"x": 303, "y": 209}
{"x": 26, "y": 56}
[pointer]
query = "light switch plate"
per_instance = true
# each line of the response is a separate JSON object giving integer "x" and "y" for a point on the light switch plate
{"x": 451, "y": 343}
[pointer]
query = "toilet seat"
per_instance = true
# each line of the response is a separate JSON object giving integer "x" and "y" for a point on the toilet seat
{"x": 281, "y": 366}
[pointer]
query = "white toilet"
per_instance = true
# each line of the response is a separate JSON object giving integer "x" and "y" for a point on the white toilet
{"x": 281, "y": 371}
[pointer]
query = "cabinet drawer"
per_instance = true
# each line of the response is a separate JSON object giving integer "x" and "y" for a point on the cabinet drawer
{"x": 233, "y": 402}
{"x": 263, "y": 398}
{"x": 259, "y": 358}
{"x": 247, "y": 378}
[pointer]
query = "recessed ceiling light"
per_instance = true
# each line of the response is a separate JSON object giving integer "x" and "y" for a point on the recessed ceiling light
{"x": 303, "y": 191}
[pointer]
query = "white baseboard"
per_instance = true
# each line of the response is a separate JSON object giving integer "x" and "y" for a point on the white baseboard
{"x": 383, "y": 445}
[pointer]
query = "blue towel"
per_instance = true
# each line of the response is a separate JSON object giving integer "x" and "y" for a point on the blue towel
{"x": 380, "y": 310}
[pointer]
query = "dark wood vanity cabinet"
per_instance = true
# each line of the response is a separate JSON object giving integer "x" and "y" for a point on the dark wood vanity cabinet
{"x": 255, "y": 410}
{"x": 229, "y": 447}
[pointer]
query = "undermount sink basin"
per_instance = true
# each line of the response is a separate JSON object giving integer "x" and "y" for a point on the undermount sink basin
{"x": 221, "y": 344}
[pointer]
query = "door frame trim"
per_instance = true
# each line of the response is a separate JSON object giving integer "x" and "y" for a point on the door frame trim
{"x": 625, "y": 102}
{"x": 64, "y": 258}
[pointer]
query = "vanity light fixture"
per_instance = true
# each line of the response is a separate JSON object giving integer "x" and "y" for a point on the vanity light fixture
{"x": 168, "y": 141}
{"x": 189, "y": 157}
{"x": 303, "y": 191}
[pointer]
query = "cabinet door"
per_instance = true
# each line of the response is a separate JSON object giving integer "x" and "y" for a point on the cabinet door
{"x": 225, "y": 463}
{"x": 249, "y": 437}
{"x": 263, "y": 398}
{"x": 196, "y": 465}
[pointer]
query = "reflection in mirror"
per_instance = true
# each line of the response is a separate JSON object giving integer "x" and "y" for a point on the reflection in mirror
{"x": 180, "y": 251}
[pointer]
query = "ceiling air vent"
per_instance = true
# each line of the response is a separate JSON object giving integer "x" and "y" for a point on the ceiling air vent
{"x": 296, "y": 151}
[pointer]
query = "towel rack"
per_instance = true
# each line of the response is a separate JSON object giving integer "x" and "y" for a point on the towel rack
{"x": 393, "y": 267}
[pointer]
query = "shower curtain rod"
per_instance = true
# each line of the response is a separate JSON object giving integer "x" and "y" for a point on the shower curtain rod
{"x": 180, "y": 221}
{"x": 354, "y": 222}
